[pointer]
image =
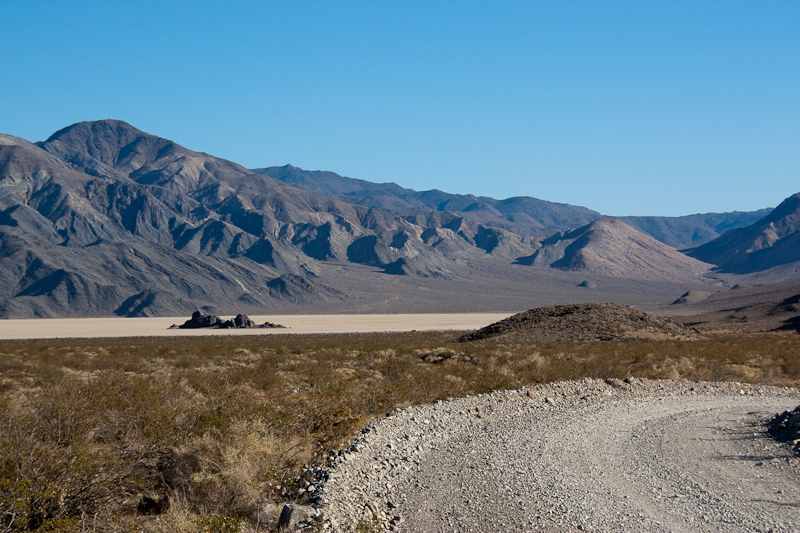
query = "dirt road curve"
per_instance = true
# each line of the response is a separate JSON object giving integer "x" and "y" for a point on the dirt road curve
{"x": 576, "y": 456}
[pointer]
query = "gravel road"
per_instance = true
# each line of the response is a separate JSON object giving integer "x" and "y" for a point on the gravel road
{"x": 633, "y": 455}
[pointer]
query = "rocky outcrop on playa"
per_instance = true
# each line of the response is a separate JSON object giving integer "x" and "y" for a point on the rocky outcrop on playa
{"x": 199, "y": 320}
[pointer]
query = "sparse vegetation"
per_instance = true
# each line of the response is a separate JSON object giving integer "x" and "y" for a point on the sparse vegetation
{"x": 212, "y": 433}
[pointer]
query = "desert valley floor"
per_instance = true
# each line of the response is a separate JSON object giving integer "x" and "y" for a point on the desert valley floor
{"x": 294, "y": 324}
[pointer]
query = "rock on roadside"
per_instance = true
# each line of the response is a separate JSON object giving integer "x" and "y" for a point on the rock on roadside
{"x": 786, "y": 427}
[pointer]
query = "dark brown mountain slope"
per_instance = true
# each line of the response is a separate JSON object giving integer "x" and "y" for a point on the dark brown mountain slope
{"x": 136, "y": 278}
{"x": 771, "y": 242}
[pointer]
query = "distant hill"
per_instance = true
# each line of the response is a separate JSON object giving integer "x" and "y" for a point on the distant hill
{"x": 609, "y": 247}
{"x": 693, "y": 230}
{"x": 771, "y": 242}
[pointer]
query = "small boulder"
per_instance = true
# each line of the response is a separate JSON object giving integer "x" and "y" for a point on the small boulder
{"x": 243, "y": 321}
{"x": 785, "y": 426}
{"x": 238, "y": 322}
{"x": 268, "y": 325}
{"x": 293, "y": 515}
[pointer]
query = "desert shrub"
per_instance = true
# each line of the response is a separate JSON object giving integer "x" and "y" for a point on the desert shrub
{"x": 220, "y": 428}
{"x": 177, "y": 519}
{"x": 54, "y": 463}
{"x": 227, "y": 474}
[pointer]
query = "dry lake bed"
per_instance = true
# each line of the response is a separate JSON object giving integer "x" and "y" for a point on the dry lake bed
{"x": 54, "y": 328}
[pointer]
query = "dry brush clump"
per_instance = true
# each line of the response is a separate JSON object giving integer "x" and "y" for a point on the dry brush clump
{"x": 215, "y": 433}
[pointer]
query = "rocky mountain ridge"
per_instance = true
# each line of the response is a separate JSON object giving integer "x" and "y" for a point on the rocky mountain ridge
{"x": 523, "y": 215}
{"x": 103, "y": 218}
{"x": 693, "y": 230}
{"x": 770, "y": 242}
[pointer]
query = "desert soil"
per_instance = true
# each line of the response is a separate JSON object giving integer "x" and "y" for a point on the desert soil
{"x": 633, "y": 455}
{"x": 46, "y": 328}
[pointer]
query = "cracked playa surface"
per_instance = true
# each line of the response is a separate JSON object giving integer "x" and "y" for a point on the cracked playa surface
{"x": 633, "y": 455}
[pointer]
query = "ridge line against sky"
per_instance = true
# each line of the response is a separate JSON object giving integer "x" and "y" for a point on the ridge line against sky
{"x": 627, "y": 108}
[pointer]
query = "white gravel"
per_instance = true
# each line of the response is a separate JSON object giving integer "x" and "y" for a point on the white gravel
{"x": 634, "y": 455}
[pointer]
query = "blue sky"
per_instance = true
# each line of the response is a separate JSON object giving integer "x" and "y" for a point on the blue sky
{"x": 629, "y": 108}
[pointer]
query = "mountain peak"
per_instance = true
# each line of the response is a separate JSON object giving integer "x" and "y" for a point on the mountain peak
{"x": 10, "y": 140}
{"x": 607, "y": 221}
{"x": 789, "y": 207}
{"x": 105, "y": 146}
{"x": 609, "y": 247}
{"x": 91, "y": 128}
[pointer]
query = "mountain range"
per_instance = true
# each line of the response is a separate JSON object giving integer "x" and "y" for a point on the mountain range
{"x": 104, "y": 219}
{"x": 522, "y": 215}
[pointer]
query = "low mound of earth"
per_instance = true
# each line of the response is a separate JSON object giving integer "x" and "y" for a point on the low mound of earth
{"x": 632, "y": 455}
{"x": 692, "y": 297}
{"x": 602, "y": 321}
